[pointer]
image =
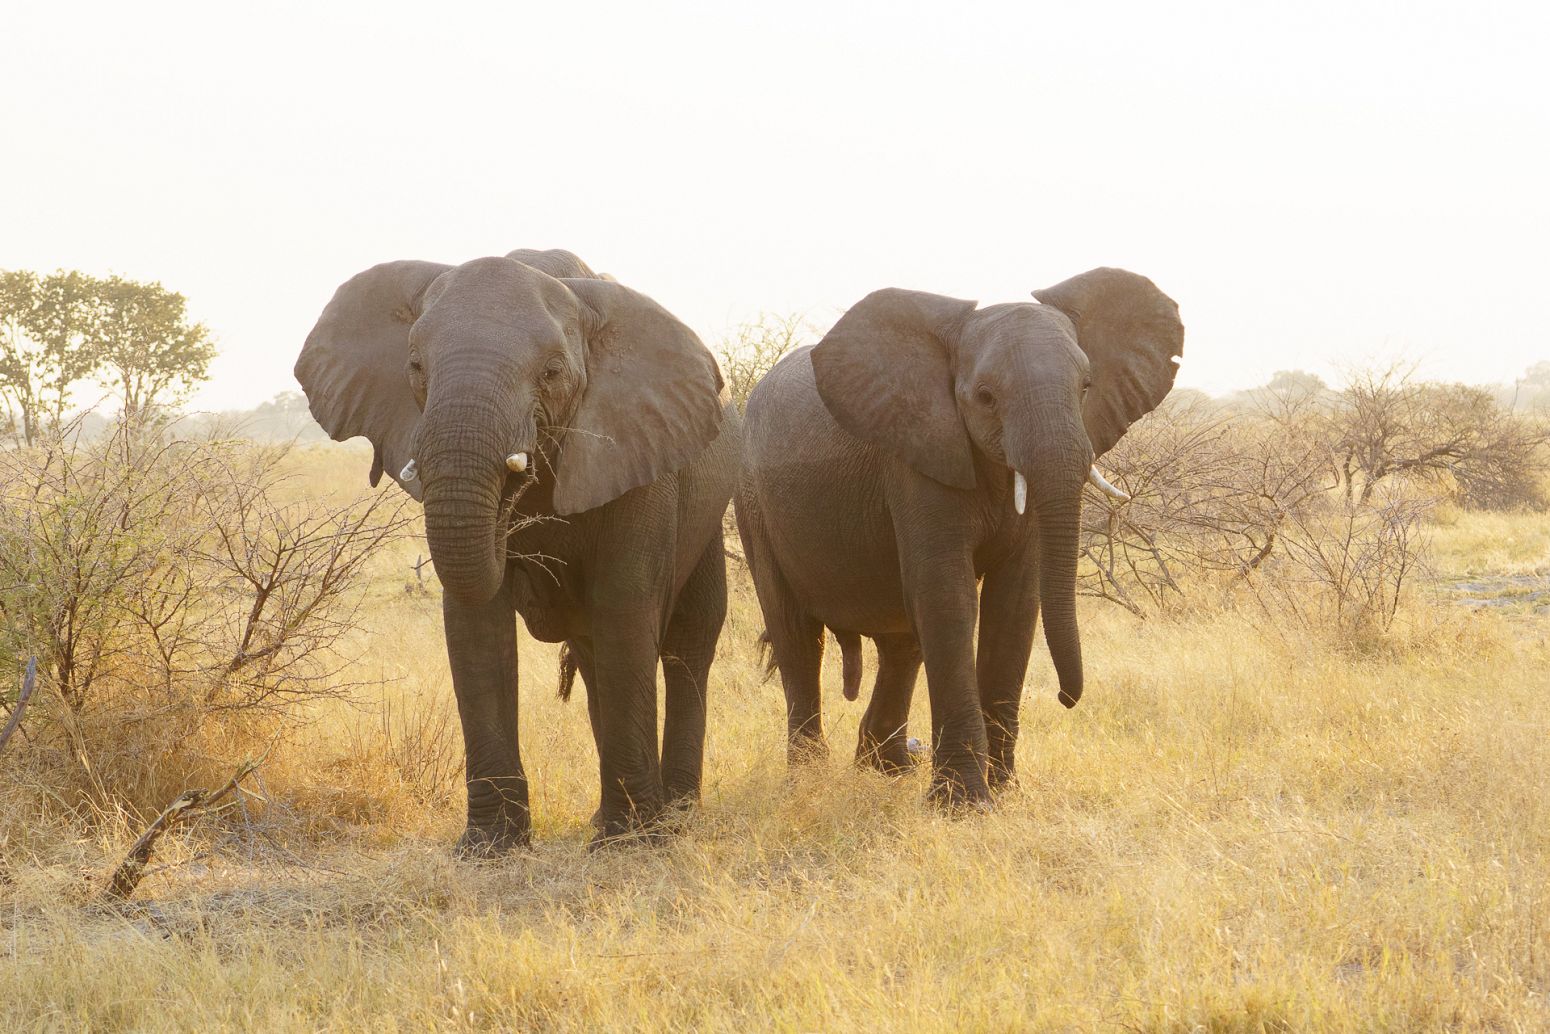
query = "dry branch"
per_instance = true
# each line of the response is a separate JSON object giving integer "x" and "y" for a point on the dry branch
{"x": 21, "y": 703}
{"x": 189, "y": 803}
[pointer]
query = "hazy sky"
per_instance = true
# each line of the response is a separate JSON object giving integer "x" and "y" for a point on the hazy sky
{"x": 1313, "y": 182}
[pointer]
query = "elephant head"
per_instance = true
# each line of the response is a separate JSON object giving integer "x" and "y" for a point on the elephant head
{"x": 1039, "y": 390}
{"x": 529, "y": 365}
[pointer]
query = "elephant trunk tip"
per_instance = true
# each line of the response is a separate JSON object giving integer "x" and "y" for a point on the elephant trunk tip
{"x": 1069, "y": 697}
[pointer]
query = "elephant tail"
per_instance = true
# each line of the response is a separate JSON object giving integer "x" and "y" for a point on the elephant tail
{"x": 766, "y": 654}
{"x": 850, "y": 662}
{"x": 567, "y": 671}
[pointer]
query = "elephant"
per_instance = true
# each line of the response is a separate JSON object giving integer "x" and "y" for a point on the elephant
{"x": 887, "y": 475}
{"x": 575, "y": 451}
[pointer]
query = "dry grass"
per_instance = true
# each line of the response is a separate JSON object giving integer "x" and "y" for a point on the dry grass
{"x": 1238, "y": 829}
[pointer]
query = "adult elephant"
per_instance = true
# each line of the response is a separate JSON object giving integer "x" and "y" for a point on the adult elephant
{"x": 575, "y": 453}
{"x": 886, "y": 476}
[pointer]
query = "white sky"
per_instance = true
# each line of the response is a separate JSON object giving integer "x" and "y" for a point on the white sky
{"x": 1314, "y": 182}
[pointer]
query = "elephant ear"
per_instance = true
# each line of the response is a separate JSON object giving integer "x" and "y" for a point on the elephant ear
{"x": 1133, "y": 339}
{"x": 885, "y": 373}
{"x": 652, "y": 401}
{"x": 353, "y": 366}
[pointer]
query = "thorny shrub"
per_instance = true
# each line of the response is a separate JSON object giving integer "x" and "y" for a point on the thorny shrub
{"x": 173, "y": 592}
{"x": 1248, "y": 504}
{"x": 1453, "y": 439}
{"x": 753, "y": 349}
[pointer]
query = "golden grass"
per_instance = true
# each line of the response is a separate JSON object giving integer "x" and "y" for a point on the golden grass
{"x": 1240, "y": 828}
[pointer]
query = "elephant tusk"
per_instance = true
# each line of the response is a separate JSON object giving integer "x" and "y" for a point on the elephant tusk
{"x": 1102, "y": 484}
{"x": 516, "y": 462}
{"x": 1019, "y": 492}
{"x": 410, "y": 472}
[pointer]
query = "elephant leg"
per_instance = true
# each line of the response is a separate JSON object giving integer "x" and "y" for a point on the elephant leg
{"x": 581, "y": 651}
{"x": 942, "y": 597}
{"x": 796, "y": 640}
{"x": 482, "y": 649}
{"x": 625, "y": 669}
{"x": 884, "y": 740}
{"x": 687, "y": 652}
{"x": 797, "y": 645}
{"x": 1009, "y": 609}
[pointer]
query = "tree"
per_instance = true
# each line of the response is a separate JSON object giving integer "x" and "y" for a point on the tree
{"x": 1387, "y": 424}
{"x": 145, "y": 346}
{"x": 61, "y": 329}
{"x": 1296, "y": 381}
{"x": 753, "y": 349}
{"x": 1531, "y": 392}
{"x": 45, "y": 345}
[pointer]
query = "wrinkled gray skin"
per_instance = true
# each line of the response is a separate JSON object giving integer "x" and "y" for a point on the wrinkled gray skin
{"x": 876, "y": 499}
{"x": 609, "y": 542}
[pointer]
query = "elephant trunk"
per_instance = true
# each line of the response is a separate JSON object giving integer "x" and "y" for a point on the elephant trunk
{"x": 1052, "y": 453}
{"x": 1059, "y": 516}
{"x": 462, "y": 454}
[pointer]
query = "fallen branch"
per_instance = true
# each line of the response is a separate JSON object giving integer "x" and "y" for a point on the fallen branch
{"x": 188, "y": 804}
{"x": 21, "y": 703}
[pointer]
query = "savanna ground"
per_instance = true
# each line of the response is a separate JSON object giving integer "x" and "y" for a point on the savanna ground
{"x": 1241, "y": 827}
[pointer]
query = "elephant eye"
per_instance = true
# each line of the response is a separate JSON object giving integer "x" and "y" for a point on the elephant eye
{"x": 984, "y": 396}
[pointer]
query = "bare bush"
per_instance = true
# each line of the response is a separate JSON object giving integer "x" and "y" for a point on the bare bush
{"x": 417, "y": 741}
{"x": 1348, "y": 566}
{"x": 1209, "y": 493}
{"x": 165, "y": 583}
{"x": 1247, "y": 503}
{"x": 1456, "y": 438}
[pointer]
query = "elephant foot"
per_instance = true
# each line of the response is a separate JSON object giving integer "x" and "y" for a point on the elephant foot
{"x": 1001, "y": 774}
{"x": 893, "y": 756}
{"x": 1001, "y": 779}
{"x": 681, "y": 792}
{"x": 653, "y": 833}
{"x": 959, "y": 793}
{"x": 486, "y": 842}
{"x": 806, "y": 749}
{"x": 642, "y": 820}
{"x": 679, "y": 809}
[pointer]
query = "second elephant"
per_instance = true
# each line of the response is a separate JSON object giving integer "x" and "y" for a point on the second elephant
{"x": 919, "y": 472}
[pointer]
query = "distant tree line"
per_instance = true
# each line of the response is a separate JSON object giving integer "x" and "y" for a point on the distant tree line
{"x": 1483, "y": 446}
{"x": 63, "y": 329}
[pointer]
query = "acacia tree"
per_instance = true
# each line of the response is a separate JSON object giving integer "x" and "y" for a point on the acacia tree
{"x": 1386, "y": 424}
{"x": 45, "y": 345}
{"x": 145, "y": 346}
{"x": 59, "y": 330}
